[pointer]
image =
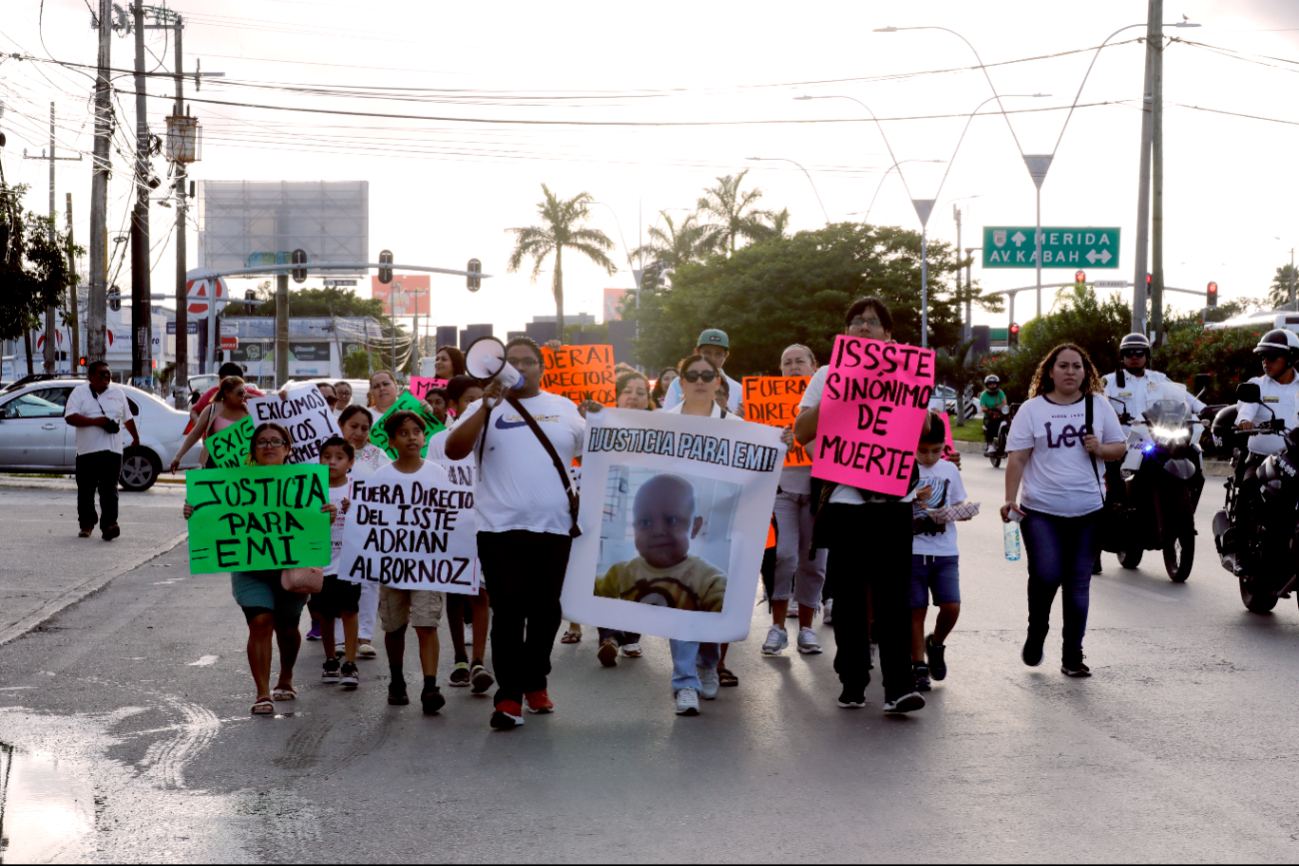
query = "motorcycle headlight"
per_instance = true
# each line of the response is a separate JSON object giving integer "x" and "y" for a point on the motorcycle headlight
{"x": 1171, "y": 435}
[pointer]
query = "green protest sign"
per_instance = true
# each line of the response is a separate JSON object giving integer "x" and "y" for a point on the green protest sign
{"x": 230, "y": 447}
{"x": 253, "y": 518}
{"x": 407, "y": 401}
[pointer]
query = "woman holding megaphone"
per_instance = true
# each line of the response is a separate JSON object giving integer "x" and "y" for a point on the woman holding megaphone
{"x": 526, "y": 512}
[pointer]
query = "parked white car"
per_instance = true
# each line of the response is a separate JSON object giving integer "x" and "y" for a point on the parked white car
{"x": 35, "y": 438}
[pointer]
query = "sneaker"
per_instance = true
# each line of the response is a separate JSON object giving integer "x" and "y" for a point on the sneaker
{"x": 397, "y": 695}
{"x": 632, "y": 650}
{"x": 907, "y": 703}
{"x": 1032, "y": 653}
{"x": 365, "y": 650}
{"x": 432, "y": 701}
{"x": 826, "y": 616}
{"x": 347, "y": 677}
{"x": 539, "y": 702}
{"x": 936, "y": 653}
{"x": 608, "y": 653}
{"x": 792, "y": 613}
{"x": 330, "y": 674}
{"x": 777, "y": 640}
{"x": 1073, "y": 666}
{"x": 851, "y": 698}
{"x": 709, "y": 683}
{"x": 314, "y": 632}
{"x": 687, "y": 702}
{"x": 340, "y": 651}
{"x": 807, "y": 642}
{"x": 459, "y": 676}
{"x": 508, "y": 714}
{"x": 920, "y": 673}
{"x": 481, "y": 679}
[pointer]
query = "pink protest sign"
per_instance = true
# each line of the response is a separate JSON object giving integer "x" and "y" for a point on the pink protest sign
{"x": 872, "y": 411}
{"x": 421, "y": 385}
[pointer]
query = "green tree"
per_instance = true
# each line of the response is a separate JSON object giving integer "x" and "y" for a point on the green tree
{"x": 782, "y": 291}
{"x": 312, "y": 302}
{"x": 34, "y": 268}
{"x": 733, "y": 214}
{"x": 561, "y": 228}
{"x": 1227, "y": 355}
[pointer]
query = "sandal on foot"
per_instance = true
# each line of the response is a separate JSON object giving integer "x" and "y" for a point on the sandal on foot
{"x": 571, "y": 636}
{"x": 284, "y": 693}
{"x": 263, "y": 707}
{"x": 726, "y": 679}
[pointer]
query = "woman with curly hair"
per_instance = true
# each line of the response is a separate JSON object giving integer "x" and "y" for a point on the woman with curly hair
{"x": 1057, "y": 446}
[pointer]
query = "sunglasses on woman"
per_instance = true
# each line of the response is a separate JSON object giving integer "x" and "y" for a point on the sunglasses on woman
{"x": 694, "y": 376}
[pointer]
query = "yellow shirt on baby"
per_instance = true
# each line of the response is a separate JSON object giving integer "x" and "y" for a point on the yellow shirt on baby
{"x": 691, "y": 584}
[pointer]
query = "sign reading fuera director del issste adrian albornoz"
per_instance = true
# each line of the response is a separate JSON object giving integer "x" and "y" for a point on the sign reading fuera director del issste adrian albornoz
{"x": 872, "y": 411}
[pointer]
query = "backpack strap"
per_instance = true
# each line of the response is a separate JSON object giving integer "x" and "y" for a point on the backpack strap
{"x": 575, "y": 531}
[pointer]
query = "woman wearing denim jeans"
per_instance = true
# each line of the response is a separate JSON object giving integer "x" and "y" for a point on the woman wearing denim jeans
{"x": 1059, "y": 457}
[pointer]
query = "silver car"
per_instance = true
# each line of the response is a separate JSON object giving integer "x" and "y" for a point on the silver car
{"x": 35, "y": 438}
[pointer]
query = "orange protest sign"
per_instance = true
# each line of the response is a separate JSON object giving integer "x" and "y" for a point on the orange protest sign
{"x": 580, "y": 373}
{"x": 773, "y": 400}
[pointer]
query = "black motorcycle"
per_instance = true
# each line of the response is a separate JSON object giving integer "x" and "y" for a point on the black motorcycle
{"x": 1160, "y": 492}
{"x": 1255, "y": 531}
{"x": 998, "y": 451}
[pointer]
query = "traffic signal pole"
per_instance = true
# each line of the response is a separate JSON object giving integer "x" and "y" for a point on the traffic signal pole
{"x": 1153, "y": 31}
{"x": 141, "y": 302}
{"x": 1157, "y": 174}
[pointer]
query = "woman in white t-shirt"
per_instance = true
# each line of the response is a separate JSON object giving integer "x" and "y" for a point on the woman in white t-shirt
{"x": 384, "y": 392}
{"x": 696, "y": 666}
{"x": 798, "y": 575}
{"x": 1058, "y": 446}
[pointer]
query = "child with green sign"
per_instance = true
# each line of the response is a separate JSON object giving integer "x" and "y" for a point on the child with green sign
{"x": 338, "y": 599}
{"x": 268, "y": 608}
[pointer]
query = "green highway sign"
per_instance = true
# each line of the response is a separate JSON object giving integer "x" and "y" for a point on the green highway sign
{"x": 1014, "y": 247}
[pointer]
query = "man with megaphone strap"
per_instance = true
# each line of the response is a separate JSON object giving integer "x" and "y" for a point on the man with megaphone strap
{"x": 526, "y": 513}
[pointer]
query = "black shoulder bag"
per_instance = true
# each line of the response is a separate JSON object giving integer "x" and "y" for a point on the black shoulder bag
{"x": 573, "y": 499}
{"x": 1111, "y": 526}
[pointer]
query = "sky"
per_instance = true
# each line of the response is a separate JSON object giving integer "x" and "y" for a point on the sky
{"x": 446, "y": 190}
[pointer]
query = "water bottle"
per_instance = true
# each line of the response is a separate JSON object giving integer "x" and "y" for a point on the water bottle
{"x": 1010, "y": 532}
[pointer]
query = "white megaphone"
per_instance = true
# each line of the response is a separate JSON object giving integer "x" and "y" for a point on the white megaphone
{"x": 485, "y": 361}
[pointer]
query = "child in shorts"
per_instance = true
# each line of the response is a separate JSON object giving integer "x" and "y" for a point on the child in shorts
{"x": 934, "y": 555}
{"x": 338, "y": 599}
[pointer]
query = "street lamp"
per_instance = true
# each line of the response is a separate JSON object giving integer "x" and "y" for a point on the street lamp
{"x": 809, "y": 178}
{"x": 867, "y": 213}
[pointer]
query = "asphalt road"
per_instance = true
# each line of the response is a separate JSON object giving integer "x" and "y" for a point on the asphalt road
{"x": 128, "y": 739}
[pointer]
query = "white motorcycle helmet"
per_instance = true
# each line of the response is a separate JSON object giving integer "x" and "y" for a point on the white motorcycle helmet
{"x": 1279, "y": 340}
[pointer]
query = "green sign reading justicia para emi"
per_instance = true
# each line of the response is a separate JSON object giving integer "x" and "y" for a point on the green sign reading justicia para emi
{"x": 1015, "y": 247}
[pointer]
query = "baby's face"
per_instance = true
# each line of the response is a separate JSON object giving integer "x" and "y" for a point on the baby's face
{"x": 664, "y": 522}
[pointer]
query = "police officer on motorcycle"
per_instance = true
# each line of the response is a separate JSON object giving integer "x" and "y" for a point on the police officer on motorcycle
{"x": 1278, "y": 386}
{"x": 1133, "y": 384}
{"x": 991, "y": 401}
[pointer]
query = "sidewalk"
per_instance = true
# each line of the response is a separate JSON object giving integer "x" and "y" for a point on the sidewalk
{"x": 47, "y": 568}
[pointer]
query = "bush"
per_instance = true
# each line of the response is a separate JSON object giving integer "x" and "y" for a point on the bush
{"x": 1227, "y": 355}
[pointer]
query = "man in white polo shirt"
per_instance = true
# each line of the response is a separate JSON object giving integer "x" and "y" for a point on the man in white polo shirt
{"x": 99, "y": 410}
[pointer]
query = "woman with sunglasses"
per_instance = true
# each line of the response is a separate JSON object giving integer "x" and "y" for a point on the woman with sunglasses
{"x": 268, "y": 608}
{"x": 697, "y": 668}
{"x": 229, "y": 406}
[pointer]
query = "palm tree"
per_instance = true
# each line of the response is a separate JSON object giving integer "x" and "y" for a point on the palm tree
{"x": 780, "y": 223}
{"x": 734, "y": 213}
{"x": 560, "y": 229}
{"x": 677, "y": 244}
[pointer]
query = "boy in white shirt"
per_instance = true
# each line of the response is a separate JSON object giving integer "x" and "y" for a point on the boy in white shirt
{"x": 934, "y": 555}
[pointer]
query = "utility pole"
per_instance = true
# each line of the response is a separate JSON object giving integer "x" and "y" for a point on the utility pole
{"x": 965, "y": 327}
{"x": 97, "y": 307}
{"x": 281, "y": 329}
{"x": 51, "y": 338}
{"x": 1157, "y": 174}
{"x": 73, "y": 310}
{"x": 180, "y": 378}
{"x": 1154, "y": 33}
{"x": 141, "y": 302}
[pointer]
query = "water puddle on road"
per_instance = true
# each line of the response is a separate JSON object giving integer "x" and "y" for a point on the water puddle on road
{"x": 46, "y": 810}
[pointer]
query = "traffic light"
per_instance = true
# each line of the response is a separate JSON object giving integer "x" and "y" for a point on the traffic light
{"x": 82, "y": 361}
{"x": 220, "y": 355}
{"x": 1080, "y": 277}
{"x": 1147, "y": 285}
{"x": 250, "y": 302}
{"x": 385, "y": 274}
{"x": 1211, "y": 295}
{"x": 474, "y": 283}
{"x": 1012, "y": 336}
{"x": 299, "y": 258}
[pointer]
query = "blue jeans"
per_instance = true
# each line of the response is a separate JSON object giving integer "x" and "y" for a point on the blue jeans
{"x": 1061, "y": 551}
{"x": 687, "y": 656}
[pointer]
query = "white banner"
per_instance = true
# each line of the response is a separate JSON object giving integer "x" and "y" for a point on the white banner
{"x": 674, "y": 517}
{"x": 304, "y": 413}
{"x": 404, "y": 534}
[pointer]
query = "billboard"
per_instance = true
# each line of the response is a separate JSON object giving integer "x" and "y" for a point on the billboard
{"x": 613, "y": 298}
{"x": 406, "y": 295}
{"x": 239, "y": 219}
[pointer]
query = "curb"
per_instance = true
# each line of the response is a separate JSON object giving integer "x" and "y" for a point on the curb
{"x": 86, "y": 588}
{"x": 1212, "y": 468}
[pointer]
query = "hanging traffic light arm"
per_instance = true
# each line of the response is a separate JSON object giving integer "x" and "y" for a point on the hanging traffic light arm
{"x": 341, "y": 266}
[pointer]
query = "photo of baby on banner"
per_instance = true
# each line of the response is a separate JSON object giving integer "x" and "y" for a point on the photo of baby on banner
{"x": 674, "y": 517}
